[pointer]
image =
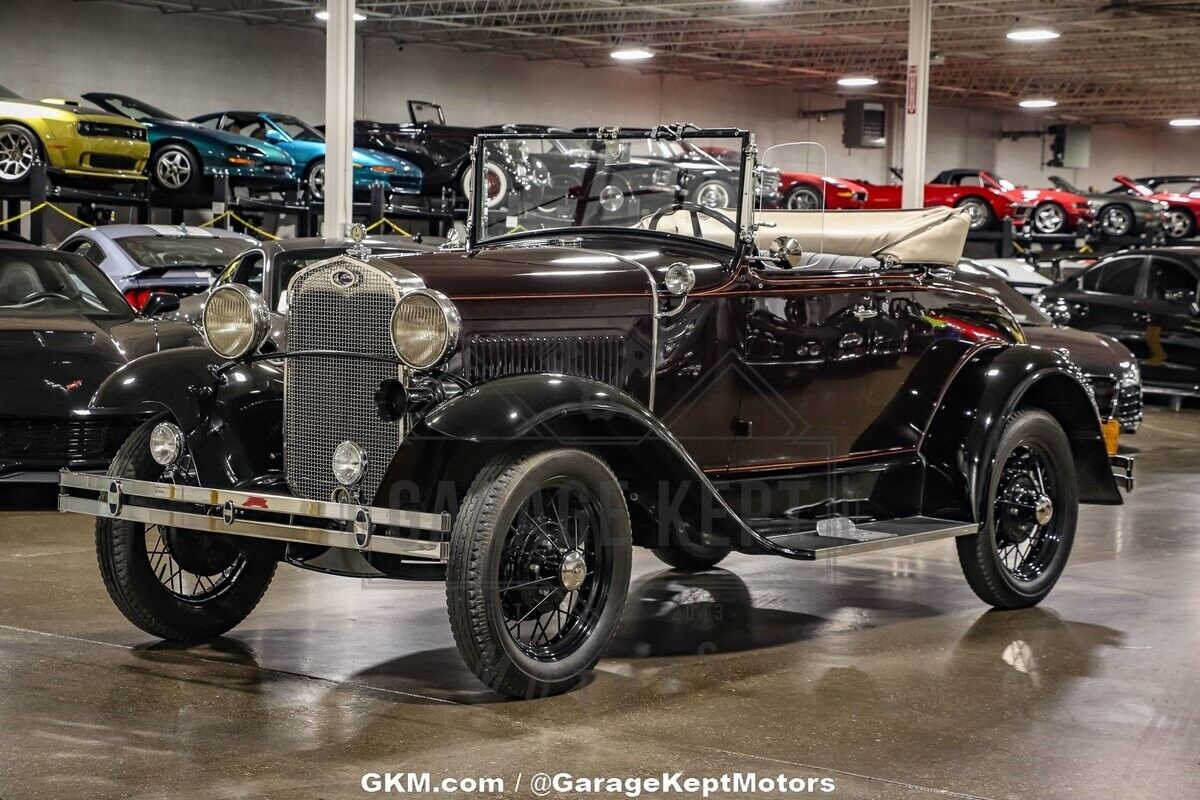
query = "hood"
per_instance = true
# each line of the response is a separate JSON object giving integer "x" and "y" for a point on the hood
{"x": 194, "y": 130}
{"x": 54, "y": 365}
{"x": 1096, "y": 355}
{"x": 377, "y": 158}
{"x": 65, "y": 111}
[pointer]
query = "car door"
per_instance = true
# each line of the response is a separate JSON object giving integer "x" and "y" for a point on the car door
{"x": 1105, "y": 299}
{"x": 1169, "y": 311}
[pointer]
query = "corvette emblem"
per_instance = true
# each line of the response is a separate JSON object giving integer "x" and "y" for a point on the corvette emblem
{"x": 344, "y": 278}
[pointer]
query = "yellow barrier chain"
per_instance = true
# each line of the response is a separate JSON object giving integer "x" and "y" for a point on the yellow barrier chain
{"x": 58, "y": 210}
{"x": 24, "y": 214}
{"x": 241, "y": 222}
{"x": 385, "y": 221}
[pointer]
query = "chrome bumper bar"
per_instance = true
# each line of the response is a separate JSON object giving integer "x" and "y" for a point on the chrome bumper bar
{"x": 262, "y": 516}
{"x": 1123, "y": 471}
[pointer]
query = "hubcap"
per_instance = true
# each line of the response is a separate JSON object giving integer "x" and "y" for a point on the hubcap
{"x": 713, "y": 195}
{"x": 573, "y": 570}
{"x": 1043, "y": 510}
{"x": 1177, "y": 224}
{"x": 1050, "y": 219}
{"x": 976, "y": 213}
{"x": 1116, "y": 222}
{"x": 17, "y": 154}
{"x": 316, "y": 181}
{"x": 804, "y": 200}
{"x": 173, "y": 170}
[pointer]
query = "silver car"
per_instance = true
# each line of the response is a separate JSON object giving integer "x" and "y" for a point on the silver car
{"x": 144, "y": 259}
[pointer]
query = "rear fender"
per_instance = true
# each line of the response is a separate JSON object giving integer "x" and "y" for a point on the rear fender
{"x": 233, "y": 424}
{"x": 960, "y": 446}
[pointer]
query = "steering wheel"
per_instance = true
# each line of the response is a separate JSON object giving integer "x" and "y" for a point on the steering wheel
{"x": 694, "y": 211}
{"x": 29, "y": 298}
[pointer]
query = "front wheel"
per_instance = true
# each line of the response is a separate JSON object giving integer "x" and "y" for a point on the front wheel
{"x": 539, "y": 567}
{"x": 1116, "y": 221}
{"x": 176, "y": 169}
{"x": 172, "y": 583}
{"x": 1049, "y": 218}
{"x": 1032, "y": 502}
{"x": 803, "y": 197}
{"x": 314, "y": 180}
{"x": 979, "y": 213}
{"x": 19, "y": 151}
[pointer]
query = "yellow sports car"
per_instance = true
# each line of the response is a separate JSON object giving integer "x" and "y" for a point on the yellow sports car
{"x": 80, "y": 141}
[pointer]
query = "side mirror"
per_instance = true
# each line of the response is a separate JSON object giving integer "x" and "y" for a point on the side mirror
{"x": 787, "y": 252}
{"x": 274, "y": 135}
{"x": 160, "y": 303}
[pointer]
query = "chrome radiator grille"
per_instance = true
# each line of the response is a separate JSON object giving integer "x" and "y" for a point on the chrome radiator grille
{"x": 331, "y": 399}
{"x": 599, "y": 356}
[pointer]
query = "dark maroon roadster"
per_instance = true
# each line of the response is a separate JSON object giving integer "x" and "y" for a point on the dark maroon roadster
{"x": 515, "y": 413}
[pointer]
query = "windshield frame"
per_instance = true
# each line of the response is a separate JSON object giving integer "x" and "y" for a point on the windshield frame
{"x": 477, "y": 212}
{"x": 105, "y": 100}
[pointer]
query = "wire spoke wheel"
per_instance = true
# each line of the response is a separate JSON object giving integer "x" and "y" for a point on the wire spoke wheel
{"x": 554, "y": 577}
{"x": 193, "y": 577}
{"x": 18, "y": 152}
{"x": 1027, "y": 538}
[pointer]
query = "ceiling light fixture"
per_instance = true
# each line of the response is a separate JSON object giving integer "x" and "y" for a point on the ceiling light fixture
{"x": 324, "y": 16}
{"x": 1186, "y": 122}
{"x": 857, "y": 80}
{"x": 1032, "y": 34}
{"x": 1038, "y": 102}
{"x": 632, "y": 53}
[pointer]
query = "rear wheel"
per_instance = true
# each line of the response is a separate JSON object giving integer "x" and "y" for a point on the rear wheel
{"x": 1049, "y": 218}
{"x": 687, "y": 556}
{"x": 176, "y": 169}
{"x": 495, "y": 183}
{"x": 1180, "y": 224}
{"x": 314, "y": 180}
{"x": 978, "y": 212}
{"x": 1116, "y": 221}
{"x": 803, "y": 197}
{"x": 19, "y": 150}
{"x": 170, "y": 582}
{"x": 1032, "y": 502}
{"x": 539, "y": 567}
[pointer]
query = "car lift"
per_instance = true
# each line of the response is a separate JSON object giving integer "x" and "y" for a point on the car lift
{"x": 48, "y": 187}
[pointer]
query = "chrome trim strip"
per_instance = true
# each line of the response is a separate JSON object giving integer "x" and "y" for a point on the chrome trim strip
{"x": 901, "y": 540}
{"x": 224, "y": 504}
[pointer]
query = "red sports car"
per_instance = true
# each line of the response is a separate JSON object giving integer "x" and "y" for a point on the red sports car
{"x": 807, "y": 190}
{"x": 1183, "y": 209}
{"x": 985, "y": 206}
{"x": 1054, "y": 211}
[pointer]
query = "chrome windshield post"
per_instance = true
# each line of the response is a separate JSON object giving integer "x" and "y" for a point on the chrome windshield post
{"x": 749, "y": 188}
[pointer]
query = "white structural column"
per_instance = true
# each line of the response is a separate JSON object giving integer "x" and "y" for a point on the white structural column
{"x": 339, "y": 117}
{"x": 916, "y": 101}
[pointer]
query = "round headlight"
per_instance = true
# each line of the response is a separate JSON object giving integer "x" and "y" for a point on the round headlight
{"x": 236, "y": 320}
{"x": 166, "y": 443}
{"x": 349, "y": 463}
{"x": 425, "y": 328}
{"x": 680, "y": 279}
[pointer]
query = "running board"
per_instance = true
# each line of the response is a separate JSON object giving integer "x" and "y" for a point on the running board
{"x": 840, "y": 536}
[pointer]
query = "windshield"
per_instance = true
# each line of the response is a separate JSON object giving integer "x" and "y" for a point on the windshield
{"x": 297, "y": 129}
{"x": 1005, "y": 185}
{"x": 128, "y": 107}
{"x": 38, "y": 284}
{"x": 181, "y": 251}
{"x": 627, "y": 180}
{"x": 1065, "y": 185}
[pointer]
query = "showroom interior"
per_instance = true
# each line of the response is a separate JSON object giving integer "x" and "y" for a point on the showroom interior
{"x": 400, "y": 308}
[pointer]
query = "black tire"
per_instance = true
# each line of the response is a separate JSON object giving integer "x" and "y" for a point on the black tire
{"x": 1181, "y": 224}
{"x": 1116, "y": 221}
{"x": 20, "y": 149}
{"x": 486, "y": 542}
{"x": 141, "y": 595}
{"x": 176, "y": 169}
{"x": 1049, "y": 218}
{"x": 996, "y": 579}
{"x": 804, "y": 197}
{"x": 980, "y": 211}
{"x": 314, "y": 180}
{"x": 686, "y": 556}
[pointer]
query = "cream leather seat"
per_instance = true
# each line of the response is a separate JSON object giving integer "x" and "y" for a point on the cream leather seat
{"x": 929, "y": 235}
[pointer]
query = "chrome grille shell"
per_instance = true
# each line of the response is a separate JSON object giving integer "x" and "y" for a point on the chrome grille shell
{"x": 329, "y": 399}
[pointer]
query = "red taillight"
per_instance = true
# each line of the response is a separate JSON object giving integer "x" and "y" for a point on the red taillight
{"x": 138, "y": 297}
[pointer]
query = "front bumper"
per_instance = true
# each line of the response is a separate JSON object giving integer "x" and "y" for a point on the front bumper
{"x": 99, "y": 157}
{"x": 276, "y": 517}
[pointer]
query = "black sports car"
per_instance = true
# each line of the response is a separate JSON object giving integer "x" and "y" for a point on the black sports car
{"x": 1120, "y": 216}
{"x": 64, "y": 328}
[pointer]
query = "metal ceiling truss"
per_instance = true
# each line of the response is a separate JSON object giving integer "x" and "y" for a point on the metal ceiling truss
{"x": 1118, "y": 60}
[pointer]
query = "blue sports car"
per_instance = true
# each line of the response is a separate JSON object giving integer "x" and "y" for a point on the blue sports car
{"x": 306, "y": 145}
{"x": 183, "y": 153}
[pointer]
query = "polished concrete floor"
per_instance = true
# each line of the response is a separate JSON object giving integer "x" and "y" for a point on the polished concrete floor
{"x": 882, "y": 673}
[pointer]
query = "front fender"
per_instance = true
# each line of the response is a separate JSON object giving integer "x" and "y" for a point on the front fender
{"x": 434, "y": 467}
{"x": 233, "y": 424}
{"x": 960, "y": 445}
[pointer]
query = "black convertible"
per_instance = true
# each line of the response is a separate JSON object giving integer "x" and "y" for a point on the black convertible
{"x": 64, "y": 328}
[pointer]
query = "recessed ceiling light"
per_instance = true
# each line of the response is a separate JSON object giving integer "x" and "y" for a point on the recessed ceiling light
{"x": 1038, "y": 102}
{"x": 632, "y": 54}
{"x": 1186, "y": 122}
{"x": 1032, "y": 34}
{"x": 857, "y": 80}
{"x": 324, "y": 16}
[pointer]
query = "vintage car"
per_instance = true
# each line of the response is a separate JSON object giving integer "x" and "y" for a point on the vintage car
{"x": 144, "y": 260}
{"x": 1121, "y": 216}
{"x": 514, "y": 415}
{"x": 64, "y": 329}
{"x": 184, "y": 153}
{"x": 306, "y": 145}
{"x": 1183, "y": 207}
{"x": 443, "y": 154}
{"x": 1148, "y": 300}
{"x": 1110, "y": 367}
{"x": 985, "y": 206}
{"x": 81, "y": 142}
{"x": 1054, "y": 211}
